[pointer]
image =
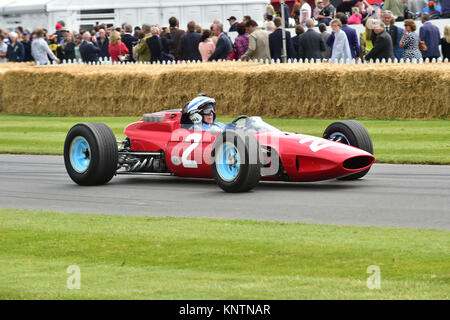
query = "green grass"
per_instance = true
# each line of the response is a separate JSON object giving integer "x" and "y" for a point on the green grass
{"x": 426, "y": 142}
{"x": 172, "y": 258}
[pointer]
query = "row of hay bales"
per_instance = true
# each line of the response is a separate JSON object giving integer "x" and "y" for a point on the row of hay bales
{"x": 374, "y": 91}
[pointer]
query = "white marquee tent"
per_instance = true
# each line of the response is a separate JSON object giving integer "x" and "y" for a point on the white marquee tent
{"x": 83, "y": 13}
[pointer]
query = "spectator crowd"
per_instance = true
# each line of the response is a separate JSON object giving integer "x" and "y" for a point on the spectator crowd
{"x": 381, "y": 38}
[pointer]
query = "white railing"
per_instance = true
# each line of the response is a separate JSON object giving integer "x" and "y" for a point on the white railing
{"x": 109, "y": 62}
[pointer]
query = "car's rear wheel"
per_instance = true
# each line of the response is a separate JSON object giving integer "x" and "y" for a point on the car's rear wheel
{"x": 353, "y": 133}
{"x": 236, "y": 164}
{"x": 90, "y": 154}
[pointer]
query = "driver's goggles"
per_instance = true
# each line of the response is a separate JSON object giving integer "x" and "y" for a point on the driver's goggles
{"x": 207, "y": 111}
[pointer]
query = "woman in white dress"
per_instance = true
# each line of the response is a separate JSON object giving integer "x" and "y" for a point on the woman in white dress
{"x": 341, "y": 48}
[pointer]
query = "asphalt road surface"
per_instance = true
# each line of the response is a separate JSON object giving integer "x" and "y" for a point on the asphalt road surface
{"x": 411, "y": 196}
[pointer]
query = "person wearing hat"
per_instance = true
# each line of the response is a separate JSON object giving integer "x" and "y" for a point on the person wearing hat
{"x": 433, "y": 9}
{"x": 233, "y": 24}
{"x": 58, "y": 32}
{"x": 26, "y": 45}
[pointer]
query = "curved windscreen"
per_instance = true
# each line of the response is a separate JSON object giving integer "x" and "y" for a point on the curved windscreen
{"x": 255, "y": 124}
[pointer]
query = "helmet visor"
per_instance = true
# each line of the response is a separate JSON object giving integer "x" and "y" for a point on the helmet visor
{"x": 208, "y": 110}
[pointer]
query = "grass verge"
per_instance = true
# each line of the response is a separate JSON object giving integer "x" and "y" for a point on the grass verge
{"x": 172, "y": 258}
{"x": 419, "y": 142}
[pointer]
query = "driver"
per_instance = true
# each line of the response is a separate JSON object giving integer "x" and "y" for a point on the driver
{"x": 203, "y": 114}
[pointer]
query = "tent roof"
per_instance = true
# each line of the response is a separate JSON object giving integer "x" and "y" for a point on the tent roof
{"x": 24, "y": 6}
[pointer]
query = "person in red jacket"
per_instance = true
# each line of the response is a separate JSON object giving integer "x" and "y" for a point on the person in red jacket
{"x": 118, "y": 51}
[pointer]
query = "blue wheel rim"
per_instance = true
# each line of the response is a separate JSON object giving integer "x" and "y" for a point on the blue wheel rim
{"x": 339, "y": 137}
{"x": 228, "y": 164}
{"x": 80, "y": 154}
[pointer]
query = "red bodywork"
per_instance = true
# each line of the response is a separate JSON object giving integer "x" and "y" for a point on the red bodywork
{"x": 303, "y": 157}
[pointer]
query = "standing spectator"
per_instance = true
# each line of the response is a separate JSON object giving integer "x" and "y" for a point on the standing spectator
{"x": 117, "y": 49}
{"x": 198, "y": 29}
{"x": 341, "y": 49}
{"x": 159, "y": 46}
{"x": 445, "y": 43}
{"x": 258, "y": 44}
{"x": 137, "y": 30}
{"x": 392, "y": 30}
{"x": 27, "y": 46}
{"x": 242, "y": 40}
{"x": 286, "y": 15}
{"x": 296, "y": 12}
{"x": 445, "y": 5}
{"x": 396, "y": 7}
{"x": 5, "y": 35}
{"x": 398, "y": 51}
{"x": 365, "y": 38}
{"x": 305, "y": 12}
{"x": 40, "y": 50}
{"x": 433, "y": 9}
{"x": 326, "y": 13}
{"x": 311, "y": 44}
{"x": 410, "y": 41}
{"x": 58, "y": 32}
{"x": 55, "y": 46}
{"x": 188, "y": 46}
{"x": 270, "y": 27}
{"x": 103, "y": 44}
{"x": 382, "y": 47}
{"x": 142, "y": 50}
{"x": 206, "y": 46}
{"x": 317, "y": 8}
{"x": 356, "y": 17}
{"x": 269, "y": 10}
{"x": 299, "y": 30}
{"x": 3, "y": 49}
{"x": 128, "y": 39}
{"x": 233, "y": 24}
{"x": 276, "y": 42}
{"x": 325, "y": 36}
{"x": 15, "y": 51}
{"x": 430, "y": 34}
{"x": 78, "y": 41}
{"x": 68, "y": 47}
{"x": 176, "y": 36}
{"x": 223, "y": 46}
{"x": 88, "y": 50}
{"x": 247, "y": 18}
{"x": 267, "y": 19}
{"x": 351, "y": 36}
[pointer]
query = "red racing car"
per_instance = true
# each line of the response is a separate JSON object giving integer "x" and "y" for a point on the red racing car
{"x": 246, "y": 151}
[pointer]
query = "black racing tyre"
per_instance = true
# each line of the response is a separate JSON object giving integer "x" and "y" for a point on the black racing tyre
{"x": 91, "y": 154}
{"x": 236, "y": 161}
{"x": 353, "y": 133}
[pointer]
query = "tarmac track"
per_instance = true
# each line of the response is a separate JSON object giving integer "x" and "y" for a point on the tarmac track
{"x": 411, "y": 196}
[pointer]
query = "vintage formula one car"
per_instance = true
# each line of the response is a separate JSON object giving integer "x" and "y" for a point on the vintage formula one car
{"x": 247, "y": 151}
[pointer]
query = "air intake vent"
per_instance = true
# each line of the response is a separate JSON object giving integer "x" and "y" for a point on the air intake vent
{"x": 357, "y": 162}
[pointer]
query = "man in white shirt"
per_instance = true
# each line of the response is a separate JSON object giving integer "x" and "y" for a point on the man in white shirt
{"x": 305, "y": 12}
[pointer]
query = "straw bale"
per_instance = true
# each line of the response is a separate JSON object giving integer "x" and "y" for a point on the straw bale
{"x": 401, "y": 91}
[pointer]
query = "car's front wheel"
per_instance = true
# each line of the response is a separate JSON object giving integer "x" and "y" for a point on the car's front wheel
{"x": 90, "y": 154}
{"x": 236, "y": 164}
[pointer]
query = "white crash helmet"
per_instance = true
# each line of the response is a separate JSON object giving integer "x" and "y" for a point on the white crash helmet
{"x": 199, "y": 106}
